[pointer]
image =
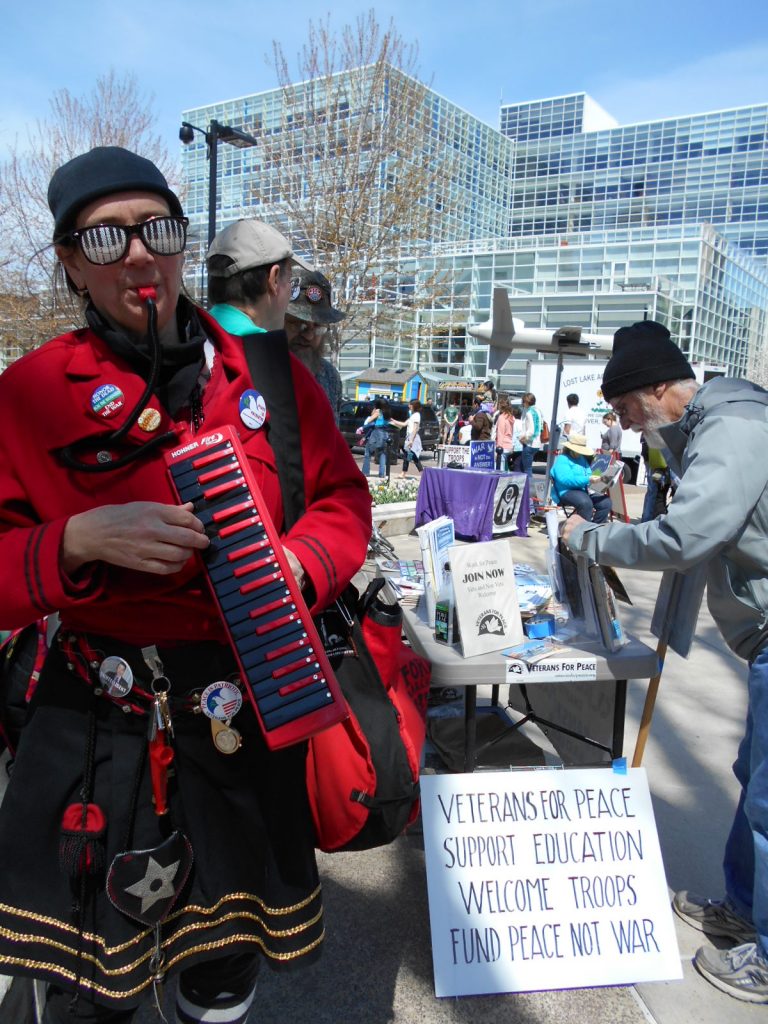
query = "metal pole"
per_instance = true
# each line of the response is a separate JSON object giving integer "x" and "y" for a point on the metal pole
{"x": 212, "y": 138}
{"x": 554, "y": 433}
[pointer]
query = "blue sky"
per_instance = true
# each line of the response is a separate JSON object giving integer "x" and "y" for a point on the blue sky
{"x": 640, "y": 61}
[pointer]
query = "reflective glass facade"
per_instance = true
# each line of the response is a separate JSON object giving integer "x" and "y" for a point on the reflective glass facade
{"x": 710, "y": 168}
{"x": 583, "y": 221}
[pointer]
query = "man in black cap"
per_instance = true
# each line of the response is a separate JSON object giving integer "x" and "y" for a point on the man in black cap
{"x": 307, "y": 320}
{"x": 718, "y": 519}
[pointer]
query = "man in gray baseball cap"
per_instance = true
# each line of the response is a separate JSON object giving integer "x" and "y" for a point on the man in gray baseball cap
{"x": 250, "y": 277}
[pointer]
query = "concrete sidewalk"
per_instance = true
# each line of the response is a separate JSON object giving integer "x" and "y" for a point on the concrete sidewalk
{"x": 377, "y": 965}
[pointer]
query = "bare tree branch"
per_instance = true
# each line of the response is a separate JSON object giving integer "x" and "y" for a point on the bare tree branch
{"x": 114, "y": 113}
{"x": 354, "y": 169}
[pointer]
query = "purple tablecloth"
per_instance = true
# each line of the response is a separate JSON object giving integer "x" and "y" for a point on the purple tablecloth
{"x": 467, "y": 496}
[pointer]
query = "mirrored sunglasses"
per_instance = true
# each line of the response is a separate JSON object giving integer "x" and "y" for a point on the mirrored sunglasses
{"x": 108, "y": 243}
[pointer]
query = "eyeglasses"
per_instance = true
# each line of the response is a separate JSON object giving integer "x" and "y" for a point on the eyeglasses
{"x": 107, "y": 243}
{"x": 305, "y": 326}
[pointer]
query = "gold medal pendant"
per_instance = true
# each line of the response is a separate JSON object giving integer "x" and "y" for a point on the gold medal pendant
{"x": 226, "y": 739}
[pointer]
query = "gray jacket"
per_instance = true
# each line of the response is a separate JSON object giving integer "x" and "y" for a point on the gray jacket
{"x": 719, "y": 514}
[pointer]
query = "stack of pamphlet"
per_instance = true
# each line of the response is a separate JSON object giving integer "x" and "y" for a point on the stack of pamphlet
{"x": 435, "y": 539}
{"x": 405, "y": 579}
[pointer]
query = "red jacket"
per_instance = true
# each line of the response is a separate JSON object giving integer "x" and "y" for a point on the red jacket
{"x": 46, "y": 403}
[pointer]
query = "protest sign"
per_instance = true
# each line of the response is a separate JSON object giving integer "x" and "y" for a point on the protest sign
{"x": 545, "y": 880}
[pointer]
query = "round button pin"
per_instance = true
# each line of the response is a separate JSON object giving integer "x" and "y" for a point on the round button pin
{"x": 116, "y": 676}
{"x": 221, "y": 700}
{"x": 253, "y": 409}
{"x": 149, "y": 420}
{"x": 107, "y": 400}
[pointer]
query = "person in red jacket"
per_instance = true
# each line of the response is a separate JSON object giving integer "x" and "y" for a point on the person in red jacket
{"x": 101, "y": 895}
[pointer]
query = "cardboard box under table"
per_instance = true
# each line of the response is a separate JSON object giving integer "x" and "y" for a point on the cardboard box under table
{"x": 583, "y": 718}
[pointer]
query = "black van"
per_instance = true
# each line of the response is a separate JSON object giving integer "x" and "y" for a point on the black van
{"x": 353, "y": 414}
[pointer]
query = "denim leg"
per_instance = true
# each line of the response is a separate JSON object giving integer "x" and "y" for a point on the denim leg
{"x": 526, "y": 460}
{"x": 367, "y": 461}
{"x": 581, "y": 502}
{"x": 650, "y": 499}
{"x": 746, "y": 851}
{"x": 383, "y": 462}
{"x": 601, "y": 504}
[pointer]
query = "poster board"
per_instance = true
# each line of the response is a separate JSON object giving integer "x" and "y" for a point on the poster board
{"x": 453, "y": 456}
{"x": 485, "y": 596}
{"x": 545, "y": 880}
{"x": 482, "y": 454}
{"x": 506, "y": 503}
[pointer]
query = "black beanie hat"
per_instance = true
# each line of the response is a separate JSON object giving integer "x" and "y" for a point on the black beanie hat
{"x": 98, "y": 173}
{"x": 643, "y": 354}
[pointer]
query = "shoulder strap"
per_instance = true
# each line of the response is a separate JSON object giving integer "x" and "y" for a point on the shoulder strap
{"x": 269, "y": 363}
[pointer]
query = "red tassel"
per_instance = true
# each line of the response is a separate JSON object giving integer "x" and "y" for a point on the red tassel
{"x": 80, "y": 849}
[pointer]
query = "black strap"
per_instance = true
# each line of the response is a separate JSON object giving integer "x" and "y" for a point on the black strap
{"x": 269, "y": 363}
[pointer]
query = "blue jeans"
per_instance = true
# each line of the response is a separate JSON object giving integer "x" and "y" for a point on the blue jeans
{"x": 526, "y": 459}
{"x": 746, "y": 852}
{"x": 595, "y": 508}
{"x": 382, "y": 453}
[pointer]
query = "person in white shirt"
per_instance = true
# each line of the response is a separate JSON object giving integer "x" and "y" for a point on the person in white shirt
{"x": 575, "y": 420}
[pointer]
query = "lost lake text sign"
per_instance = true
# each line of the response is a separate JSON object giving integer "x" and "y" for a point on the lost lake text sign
{"x": 545, "y": 880}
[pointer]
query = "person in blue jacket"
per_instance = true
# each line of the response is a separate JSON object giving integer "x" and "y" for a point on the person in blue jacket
{"x": 571, "y": 474}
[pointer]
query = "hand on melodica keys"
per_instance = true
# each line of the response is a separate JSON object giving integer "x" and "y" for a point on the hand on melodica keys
{"x": 144, "y": 535}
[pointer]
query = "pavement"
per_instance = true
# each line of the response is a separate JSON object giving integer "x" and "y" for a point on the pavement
{"x": 377, "y": 968}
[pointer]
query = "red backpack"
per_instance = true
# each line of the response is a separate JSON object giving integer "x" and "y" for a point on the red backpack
{"x": 363, "y": 774}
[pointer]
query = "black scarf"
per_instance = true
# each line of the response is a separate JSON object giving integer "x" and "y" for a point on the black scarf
{"x": 181, "y": 359}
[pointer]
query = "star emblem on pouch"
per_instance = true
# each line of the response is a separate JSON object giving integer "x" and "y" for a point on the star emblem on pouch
{"x": 156, "y": 885}
{"x": 145, "y": 884}
{"x": 253, "y": 409}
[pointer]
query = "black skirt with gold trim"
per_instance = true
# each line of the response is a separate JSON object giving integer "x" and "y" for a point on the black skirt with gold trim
{"x": 253, "y": 884}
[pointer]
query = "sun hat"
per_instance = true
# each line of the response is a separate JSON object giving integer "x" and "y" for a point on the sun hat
{"x": 578, "y": 443}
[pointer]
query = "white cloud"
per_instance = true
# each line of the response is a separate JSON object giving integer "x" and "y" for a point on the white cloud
{"x": 730, "y": 79}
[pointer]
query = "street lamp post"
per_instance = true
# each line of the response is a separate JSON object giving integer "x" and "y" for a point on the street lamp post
{"x": 216, "y": 131}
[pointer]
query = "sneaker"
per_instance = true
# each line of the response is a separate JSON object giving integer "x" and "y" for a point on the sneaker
{"x": 715, "y": 917}
{"x": 742, "y": 972}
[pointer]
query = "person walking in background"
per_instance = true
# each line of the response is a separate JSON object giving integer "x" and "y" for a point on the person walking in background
{"x": 530, "y": 436}
{"x": 611, "y": 436}
{"x": 575, "y": 421}
{"x": 412, "y": 447}
{"x": 308, "y": 318}
{"x": 505, "y": 429}
{"x": 718, "y": 522}
{"x": 482, "y": 426}
{"x": 450, "y": 419}
{"x": 377, "y": 437}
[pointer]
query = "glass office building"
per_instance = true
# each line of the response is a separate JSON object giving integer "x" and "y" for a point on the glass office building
{"x": 471, "y": 200}
{"x": 583, "y": 221}
{"x": 712, "y": 296}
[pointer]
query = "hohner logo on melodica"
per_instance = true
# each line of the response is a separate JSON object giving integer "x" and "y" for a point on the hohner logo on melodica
{"x": 282, "y": 661}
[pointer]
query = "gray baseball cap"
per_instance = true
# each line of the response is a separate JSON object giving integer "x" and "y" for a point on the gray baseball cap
{"x": 251, "y": 243}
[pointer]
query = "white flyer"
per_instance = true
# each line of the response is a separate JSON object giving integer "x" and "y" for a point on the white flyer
{"x": 486, "y": 596}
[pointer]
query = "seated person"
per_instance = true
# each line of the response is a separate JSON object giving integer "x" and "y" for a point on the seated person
{"x": 571, "y": 475}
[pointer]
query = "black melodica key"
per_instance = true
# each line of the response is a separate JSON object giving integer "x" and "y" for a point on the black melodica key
{"x": 284, "y": 669}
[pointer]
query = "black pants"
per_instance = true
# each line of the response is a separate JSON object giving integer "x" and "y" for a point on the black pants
{"x": 200, "y": 985}
{"x": 414, "y": 459}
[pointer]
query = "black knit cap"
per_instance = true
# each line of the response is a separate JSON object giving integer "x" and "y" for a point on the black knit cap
{"x": 101, "y": 172}
{"x": 643, "y": 354}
